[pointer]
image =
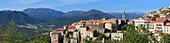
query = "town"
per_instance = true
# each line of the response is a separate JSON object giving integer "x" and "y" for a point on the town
{"x": 156, "y": 22}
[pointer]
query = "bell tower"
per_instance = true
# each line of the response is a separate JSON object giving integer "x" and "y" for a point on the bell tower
{"x": 123, "y": 15}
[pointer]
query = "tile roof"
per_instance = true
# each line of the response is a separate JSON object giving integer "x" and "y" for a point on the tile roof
{"x": 60, "y": 29}
{"x": 157, "y": 32}
{"x": 159, "y": 20}
{"x": 166, "y": 25}
{"x": 152, "y": 22}
{"x": 55, "y": 32}
{"x": 55, "y": 41}
{"x": 71, "y": 27}
{"x": 91, "y": 30}
{"x": 130, "y": 20}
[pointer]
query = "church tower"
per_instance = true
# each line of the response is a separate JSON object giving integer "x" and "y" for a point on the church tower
{"x": 123, "y": 15}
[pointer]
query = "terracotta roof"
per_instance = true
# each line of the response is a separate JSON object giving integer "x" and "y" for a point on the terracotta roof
{"x": 91, "y": 30}
{"x": 60, "y": 29}
{"x": 55, "y": 32}
{"x": 55, "y": 41}
{"x": 130, "y": 20}
{"x": 114, "y": 18}
{"x": 157, "y": 32}
{"x": 152, "y": 22}
{"x": 159, "y": 20}
{"x": 71, "y": 27}
{"x": 83, "y": 21}
{"x": 167, "y": 18}
{"x": 166, "y": 25}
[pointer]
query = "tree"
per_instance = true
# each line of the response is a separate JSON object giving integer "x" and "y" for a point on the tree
{"x": 134, "y": 35}
{"x": 12, "y": 34}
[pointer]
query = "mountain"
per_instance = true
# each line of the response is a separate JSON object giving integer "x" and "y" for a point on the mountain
{"x": 128, "y": 15}
{"x": 43, "y": 13}
{"x": 19, "y": 18}
{"x": 45, "y": 25}
{"x": 91, "y": 14}
{"x": 73, "y": 13}
{"x": 6, "y": 11}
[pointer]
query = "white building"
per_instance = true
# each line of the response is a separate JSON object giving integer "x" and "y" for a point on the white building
{"x": 166, "y": 28}
{"x": 117, "y": 36}
{"x": 143, "y": 21}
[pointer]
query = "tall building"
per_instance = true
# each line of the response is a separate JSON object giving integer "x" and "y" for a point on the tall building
{"x": 123, "y": 15}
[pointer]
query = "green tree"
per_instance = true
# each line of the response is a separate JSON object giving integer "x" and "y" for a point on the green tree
{"x": 12, "y": 34}
{"x": 135, "y": 35}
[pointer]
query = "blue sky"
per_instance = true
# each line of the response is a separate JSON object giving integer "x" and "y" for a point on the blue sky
{"x": 69, "y": 5}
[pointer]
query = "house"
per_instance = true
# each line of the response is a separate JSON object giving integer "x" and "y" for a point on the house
{"x": 159, "y": 25}
{"x": 76, "y": 34}
{"x": 158, "y": 12}
{"x": 166, "y": 28}
{"x": 83, "y": 30}
{"x": 111, "y": 26}
{"x": 151, "y": 26}
{"x": 91, "y": 33}
{"x": 158, "y": 35}
{"x": 116, "y": 36}
{"x": 60, "y": 30}
{"x": 166, "y": 8}
{"x": 55, "y": 37}
{"x": 98, "y": 28}
{"x": 71, "y": 28}
{"x": 130, "y": 22}
{"x": 142, "y": 21}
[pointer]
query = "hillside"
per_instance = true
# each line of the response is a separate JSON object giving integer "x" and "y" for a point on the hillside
{"x": 19, "y": 18}
{"x": 43, "y": 13}
{"x": 91, "y": 14}
{"x": 43, "y": 25}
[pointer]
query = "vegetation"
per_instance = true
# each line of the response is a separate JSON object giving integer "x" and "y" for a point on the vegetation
{"x": 154, "y": 17}
{"x": 138, "y": 35}
{"x": 10, "y": 33}
{"x": 165, "y": 11}
{"x": 13, "y": 34}
{"x": 43, "y": 13}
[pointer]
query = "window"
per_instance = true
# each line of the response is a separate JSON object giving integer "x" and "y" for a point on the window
{"x": 167, "y": 30}
{"x": 54, "y": 37}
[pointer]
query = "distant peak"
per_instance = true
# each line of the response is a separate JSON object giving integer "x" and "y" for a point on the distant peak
{"x": 94, "y": 10}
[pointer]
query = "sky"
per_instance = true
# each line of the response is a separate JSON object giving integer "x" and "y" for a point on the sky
{"x": 85, "y": 5}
